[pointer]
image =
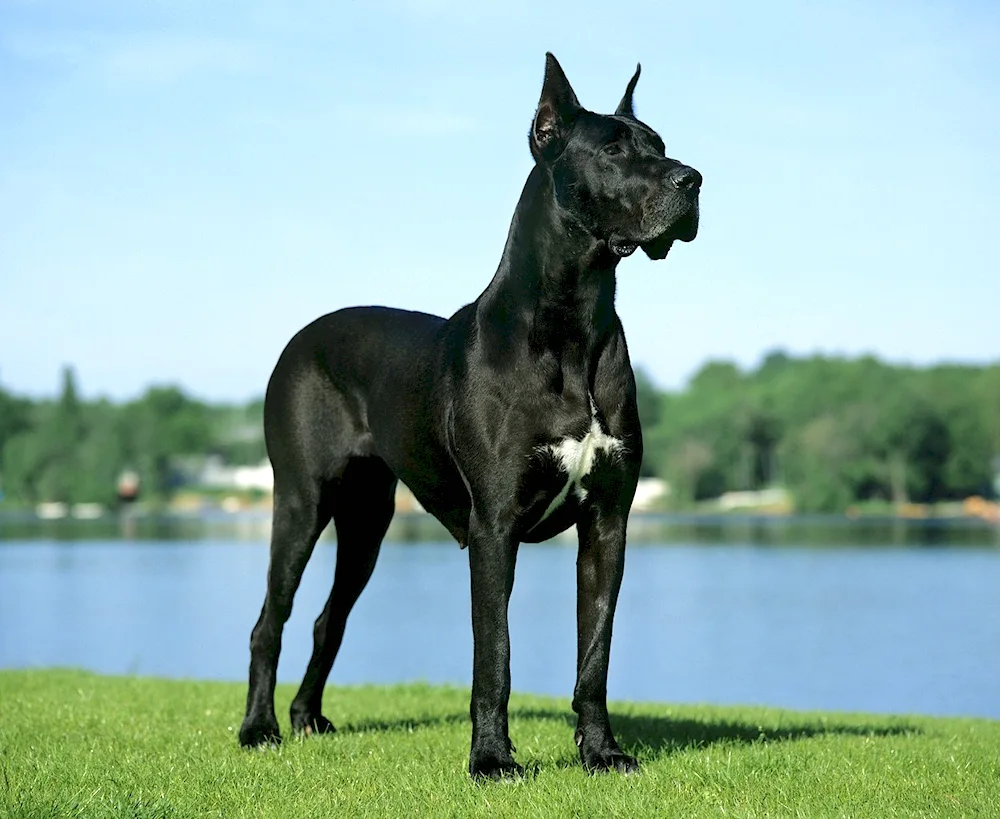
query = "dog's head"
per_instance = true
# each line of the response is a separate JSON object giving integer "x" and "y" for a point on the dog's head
{"x": 611, "y": 172}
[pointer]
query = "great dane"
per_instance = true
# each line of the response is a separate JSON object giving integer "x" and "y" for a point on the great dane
{"x": 510, "y": 421}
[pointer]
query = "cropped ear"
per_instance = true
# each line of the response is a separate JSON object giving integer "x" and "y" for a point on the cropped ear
{"x": 624, "y": 108}
{"x": 557, "y": 109}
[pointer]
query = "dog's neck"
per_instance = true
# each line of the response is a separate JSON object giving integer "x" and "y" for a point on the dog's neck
{"x": 555, "y": 283}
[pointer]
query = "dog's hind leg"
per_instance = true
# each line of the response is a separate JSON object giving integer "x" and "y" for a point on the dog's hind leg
{"x": 302, "y": 509}
{"x": 363, "y": 502}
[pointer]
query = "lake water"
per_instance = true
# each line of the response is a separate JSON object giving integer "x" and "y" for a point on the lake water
{"x": 718, "y": 614}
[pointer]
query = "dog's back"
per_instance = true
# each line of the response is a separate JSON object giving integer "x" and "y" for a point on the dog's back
{"x": 360, "y": 383}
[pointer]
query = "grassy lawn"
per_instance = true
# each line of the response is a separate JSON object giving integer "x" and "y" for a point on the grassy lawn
{"x": 77, "y": 744}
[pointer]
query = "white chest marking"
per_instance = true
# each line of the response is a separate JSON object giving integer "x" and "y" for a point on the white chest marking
{"x": 576, "y": 458}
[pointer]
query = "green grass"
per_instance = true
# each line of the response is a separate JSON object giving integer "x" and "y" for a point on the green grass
{"x": 77, "y": 744}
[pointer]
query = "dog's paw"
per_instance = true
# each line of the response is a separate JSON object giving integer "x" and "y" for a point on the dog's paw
{"x": 604, "y": 756}
{"x": 495, "y": 767}
{"x": 308, "y": 725}
{"x": 259, "y": 732}
{"x": 613, "y": 760}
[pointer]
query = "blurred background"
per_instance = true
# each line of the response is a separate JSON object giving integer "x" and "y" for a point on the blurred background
{"x": 184, "y": 185}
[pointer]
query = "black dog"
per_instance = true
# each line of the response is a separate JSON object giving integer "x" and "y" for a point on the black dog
{"x": 510, "y": 422}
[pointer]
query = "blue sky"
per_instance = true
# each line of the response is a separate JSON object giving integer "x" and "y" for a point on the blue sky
{"x": 185, "y": 184}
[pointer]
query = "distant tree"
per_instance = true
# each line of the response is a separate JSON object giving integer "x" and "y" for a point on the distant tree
{"x": 716, "y": 376}
{"x": 986, "y": 397}
{"x": 238, "y": 432}
{"x": 101, "y": 454}
{"x": 15, "y": 417}
{"x": 648, "y": 400}
{"x": 817, "y": 458}
{"x": 40, "y": 461}
{"x": 160, "y": 426}
{"x": 774, "y": 364}
{"x": 762, "y": 431}
{"x": 62, "y": 432}
{"x": 24, "y": 461}
{"x": 912, "y": 444}
{"x": 691, "y": 473}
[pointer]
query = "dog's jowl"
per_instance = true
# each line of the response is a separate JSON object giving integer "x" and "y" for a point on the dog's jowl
{"x": 510, "y": 421}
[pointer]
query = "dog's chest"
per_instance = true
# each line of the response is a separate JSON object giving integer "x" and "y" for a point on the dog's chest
{"x": 575, "y": 458}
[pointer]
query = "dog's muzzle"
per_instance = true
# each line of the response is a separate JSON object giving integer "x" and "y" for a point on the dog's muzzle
{"x": 684, "y": 229}
{"x": 675, "y": 212}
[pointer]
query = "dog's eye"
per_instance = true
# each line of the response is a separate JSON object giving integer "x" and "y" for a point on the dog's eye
{"x": 612, "y": 149}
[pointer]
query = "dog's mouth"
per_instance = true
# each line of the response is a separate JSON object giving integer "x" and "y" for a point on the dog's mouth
{"x": 659, "y": 247}
{"x": 684, "y": 230}
{"x": 622, "y": 247}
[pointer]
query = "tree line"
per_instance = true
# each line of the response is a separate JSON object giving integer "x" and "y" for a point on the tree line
{"x": 74, "y": 451}
{"x": 832, "y": 431}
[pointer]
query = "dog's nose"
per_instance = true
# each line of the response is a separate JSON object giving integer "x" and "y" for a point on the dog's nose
{"x": 685, "y": 178}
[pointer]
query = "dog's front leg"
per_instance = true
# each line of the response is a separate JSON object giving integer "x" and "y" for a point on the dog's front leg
{"x": 492, "y": 554}
{"x": 599, "y": 567}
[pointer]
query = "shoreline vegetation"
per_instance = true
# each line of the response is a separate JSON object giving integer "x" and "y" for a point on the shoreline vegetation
{"x": 874, "y": 527}
{"x": 234, "y": 503}
{"x": 794, "y": 435}
{"x": 76, "y": 744}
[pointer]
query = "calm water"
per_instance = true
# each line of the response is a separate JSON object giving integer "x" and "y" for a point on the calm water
{"x": 888, "y": 629}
